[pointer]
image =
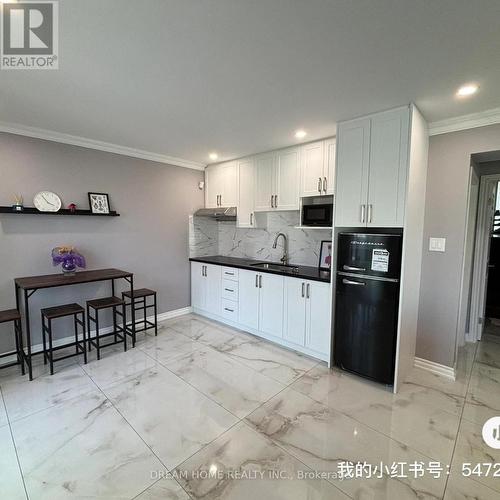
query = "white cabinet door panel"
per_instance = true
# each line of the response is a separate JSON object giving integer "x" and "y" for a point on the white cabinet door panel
{"x": 213, "y": 289}
{"x": 229, "y": 183}
{"x": 295, "y": 311}
{"x": 312, "y": 159}
{"x": 264, "y": 181}
{"x": 318, "y": 312}
{"x": 198, "y": 288}
{"x": 353, "y": 142}
{"x": 213, "y": 185}
{"x": 388, "y": 166}
{"x": 248, "y": 299}
{"x": 287, "y": 179}
{"x": 330, "y": 159}
{"x": 246, "y": 193}
{"x": 271, "y": 304}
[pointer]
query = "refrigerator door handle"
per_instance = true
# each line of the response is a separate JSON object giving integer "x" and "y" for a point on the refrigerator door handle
{"x": 350, "y": 268}
{"x": 350, "y": 282}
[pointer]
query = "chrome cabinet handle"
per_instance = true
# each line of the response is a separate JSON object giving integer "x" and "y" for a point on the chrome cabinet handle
{"x": 256, "y": 281}
{"x": 308, "y": 291}
{"x": 370, "y": 210}
{"x": 350, "y": 282}
{"x": 275, "y": 201}
{"x": 351, "y": 268}
{"x": 363, "y": 213}
{"x": 303, "y": 286}
{"x": 251, "y": 219}
{"x": 228, "y": 274}
{"x": 228, "y": 290}
{"x": 260, "y": 280}
{"x": 227, "y": 309}
{"x": 319, "y": 185}
{"x": 272, "y": 206}
{"x": 325, "y": 184}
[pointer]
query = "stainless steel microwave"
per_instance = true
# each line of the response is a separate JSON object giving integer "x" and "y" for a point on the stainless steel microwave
{"x": 317, "y": 215}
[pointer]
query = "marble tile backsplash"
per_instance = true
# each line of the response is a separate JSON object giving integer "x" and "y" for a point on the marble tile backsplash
{"x": 209, "y": 237}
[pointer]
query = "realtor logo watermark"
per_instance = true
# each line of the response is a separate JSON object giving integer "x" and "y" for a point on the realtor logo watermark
{"x": 29, "y": 35}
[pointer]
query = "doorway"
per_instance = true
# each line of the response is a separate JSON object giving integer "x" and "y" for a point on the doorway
{"x": 482, "y": 314}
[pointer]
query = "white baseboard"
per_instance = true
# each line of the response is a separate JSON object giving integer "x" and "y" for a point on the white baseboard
{"x": 38, "y": 348}
{"x": 436, "y": 368}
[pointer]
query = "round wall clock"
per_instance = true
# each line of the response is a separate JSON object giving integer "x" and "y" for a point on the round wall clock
{"x": 45, "y": 201}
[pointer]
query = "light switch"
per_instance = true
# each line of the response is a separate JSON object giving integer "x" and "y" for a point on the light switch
{"x": 437, "y": 244}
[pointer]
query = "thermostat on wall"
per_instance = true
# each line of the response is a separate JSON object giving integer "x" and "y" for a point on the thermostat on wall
{"x": 437, "y": 244}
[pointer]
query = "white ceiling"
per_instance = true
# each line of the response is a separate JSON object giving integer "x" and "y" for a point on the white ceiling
{"x": 185, "y": 77}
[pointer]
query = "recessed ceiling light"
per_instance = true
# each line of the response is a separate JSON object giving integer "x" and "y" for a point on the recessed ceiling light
{"x": 213, "y": 156}
{"x": 300, "y": 134}
{"x": 467, "y": 90}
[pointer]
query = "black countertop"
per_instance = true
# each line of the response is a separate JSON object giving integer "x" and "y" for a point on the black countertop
{"x": 303, "y": 272}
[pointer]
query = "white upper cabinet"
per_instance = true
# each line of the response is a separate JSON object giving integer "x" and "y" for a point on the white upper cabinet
{"x": 264, "y": 181}
{"x": 372, "y": 170}
{"x": 312, "y": 169}
{"x": 221, "y": 185}
{"x": 389, "y": 138}
{"x": 317, "y": 176}
{"x": 353, "y": 142}
{"x": 246, "y": 175}
{"x": 277, "y": 180}
{"x": 286, "y": 193}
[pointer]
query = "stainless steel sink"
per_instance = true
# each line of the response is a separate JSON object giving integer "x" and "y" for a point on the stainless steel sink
{"x": 276, "y": 267}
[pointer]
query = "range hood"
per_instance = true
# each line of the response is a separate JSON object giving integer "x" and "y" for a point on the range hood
{"x": 219, "y": 213}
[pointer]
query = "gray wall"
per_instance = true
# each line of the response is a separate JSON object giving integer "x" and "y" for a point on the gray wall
{"x": 445, "y": 216}
{"x": 150, "y": 238}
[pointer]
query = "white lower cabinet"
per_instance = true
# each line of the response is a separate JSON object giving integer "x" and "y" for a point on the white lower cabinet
{"x": 206, "y": 287}
{"x": 307, "y": 314}
{"x": 248, "y": 299}
{"x": 271, "y": 304}
{"x": 290, "y": 311}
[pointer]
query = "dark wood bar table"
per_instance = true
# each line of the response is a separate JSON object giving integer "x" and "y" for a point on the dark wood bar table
{"x": 26, "y": 287}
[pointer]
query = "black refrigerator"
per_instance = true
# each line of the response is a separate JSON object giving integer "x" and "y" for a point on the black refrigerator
{"x": 366, "y": 304}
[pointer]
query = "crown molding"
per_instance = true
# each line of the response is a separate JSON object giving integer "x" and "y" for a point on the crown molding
{"x": 49, "y": 135}
{"x": 473, "y": 120}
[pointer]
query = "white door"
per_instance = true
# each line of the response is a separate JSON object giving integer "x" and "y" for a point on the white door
{"x": 351, "y": 184}
{"x": 213, "y": 186}
{"x": 388, "y": 168}
{"x": 329, "y": 170}
{"x": 265, "y": 174}
{"x": 213, "y": 289}
{"x": 229, "y": 184}
{"x": 248, "y": 299}
{"x": 246, "y": 193}
{"x": 295, "y": 311}
{"x": 312, "y": 159}
{"x": 271, "y": 304}
{"x": 318, "y": 314}
{"x": 198, "y": 289}
{"x": 287, "y": 179}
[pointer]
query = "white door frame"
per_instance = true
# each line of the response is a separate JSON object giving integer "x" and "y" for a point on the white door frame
{"x": 486, "y": 210}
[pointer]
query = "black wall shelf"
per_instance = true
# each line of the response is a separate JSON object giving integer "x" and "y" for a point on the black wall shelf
{"x": 62, "y": 211}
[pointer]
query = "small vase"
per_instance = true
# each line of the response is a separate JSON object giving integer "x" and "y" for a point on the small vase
{"x": 68, "y": 267}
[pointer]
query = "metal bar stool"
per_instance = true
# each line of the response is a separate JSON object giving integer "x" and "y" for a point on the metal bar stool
{"x": 51, "y": 313}
{"x": 138, "y": 300}
{"x": 14, "y": 316}
{"x": 119, "y": 331}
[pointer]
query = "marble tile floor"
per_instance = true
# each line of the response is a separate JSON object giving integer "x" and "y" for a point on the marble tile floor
{"x": 204, "y": 411}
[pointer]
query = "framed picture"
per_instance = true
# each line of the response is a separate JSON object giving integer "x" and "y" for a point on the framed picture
{"x": 99, "y": 203}
{"x": 325, "y": 255}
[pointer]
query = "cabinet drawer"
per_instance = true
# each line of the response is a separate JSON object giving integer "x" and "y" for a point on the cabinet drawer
{"x": 230, "y": 273}
{"x": 230, "y": 310}
{"x": 230, "y": 290}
